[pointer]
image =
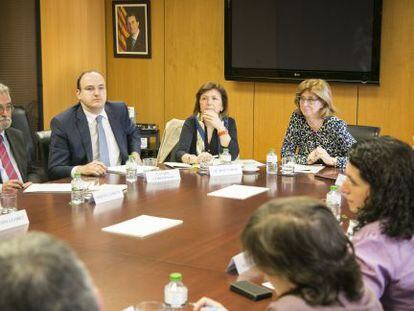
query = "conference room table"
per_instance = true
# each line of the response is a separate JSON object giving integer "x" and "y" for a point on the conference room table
{"x": 127, "y": 270}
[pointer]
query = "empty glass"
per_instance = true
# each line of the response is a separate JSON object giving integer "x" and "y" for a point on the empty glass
{"x": 149, "y": 162}
{"x": 288, "y": 166}
{"x": 8, "y": 202}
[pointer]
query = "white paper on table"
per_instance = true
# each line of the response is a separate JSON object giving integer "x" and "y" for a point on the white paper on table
{"x": 121, "y": 169}
{"x": 249, "y": 162}
{"x": 66, "y": 188}
{"x": 48, "y": 187}
{"x": 178, "y": 165}
{"x": 268, "y": 285}
{"x": 239, "y": 192}
{"x": 143, "y": 226}
{"x": 310, "y": 169}
{"x": 106, "y": 187}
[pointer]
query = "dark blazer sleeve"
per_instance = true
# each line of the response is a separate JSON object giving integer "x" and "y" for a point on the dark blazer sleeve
{"x": 234, "y": 144}
{"x": 187, "y": 139}
{"x": 60, "y": 165}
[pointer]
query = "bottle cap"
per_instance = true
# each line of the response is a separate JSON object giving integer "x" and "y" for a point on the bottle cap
{"x": 131, "y": 157}
{"x": 176, "y": 276}
{"x": 334, "y": 187}
{"x": 272, "y": 150}
{"x": 77, "y": 174}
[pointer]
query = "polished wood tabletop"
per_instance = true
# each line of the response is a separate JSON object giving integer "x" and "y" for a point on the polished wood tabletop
{"x": 127, "y": 270}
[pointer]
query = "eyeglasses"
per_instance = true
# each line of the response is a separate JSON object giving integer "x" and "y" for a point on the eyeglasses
{"x": 310, "y": 100}
{"x": 8, "y": 108}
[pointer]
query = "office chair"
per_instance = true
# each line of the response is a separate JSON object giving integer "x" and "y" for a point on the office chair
{"x": 360, "y": 132}
{"x": 21, "y": 122}
{"x": 43, "y": 144}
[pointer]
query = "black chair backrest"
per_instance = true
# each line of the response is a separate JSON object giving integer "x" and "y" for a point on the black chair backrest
{"x": 360, "y": 132}
{"x": 21, "y": 122}
{"x": 43, "y": 144}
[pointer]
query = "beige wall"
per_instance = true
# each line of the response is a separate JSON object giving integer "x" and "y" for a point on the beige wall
{"x": 188, "y": 49}
{"x": 73, "y": 40}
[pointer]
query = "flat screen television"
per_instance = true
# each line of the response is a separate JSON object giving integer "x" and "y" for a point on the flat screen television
{"x": 292, "y": 40}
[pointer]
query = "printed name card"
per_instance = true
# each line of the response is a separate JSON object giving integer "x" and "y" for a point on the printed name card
{"x": 102, "y": 196}
{"x": 240, "y": 262}
{"x": 227, "y": 169}
{"x": 12, "y": 220}
{"x": 340, "y": 180}
{"x": 162, "y": 176}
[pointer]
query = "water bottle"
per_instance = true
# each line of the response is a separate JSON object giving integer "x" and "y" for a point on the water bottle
{"x": 131, "y": 170}
{"x": 175, "y": 293}
{"x": 333, "y": 201}
{"x": 271, "y": 162}
{"x": 225, "y": 156}
{"x": 77, "y": 193}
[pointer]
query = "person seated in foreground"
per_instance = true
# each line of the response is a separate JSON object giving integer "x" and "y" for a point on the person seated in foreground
{"x": 380, "y": 189}
{"x": 209, "y": 129}
{"x": 314, "y": 133}
{"x": 300, "y": 247}
{"x": 39, "y": 272}
{"x": 93, "y": 134}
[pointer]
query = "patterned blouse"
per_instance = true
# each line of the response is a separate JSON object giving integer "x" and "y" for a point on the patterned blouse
{"x": 300, "y": 140}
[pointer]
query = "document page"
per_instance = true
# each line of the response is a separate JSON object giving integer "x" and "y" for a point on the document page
{"x": 48, "y": 187}
{"x": 143, "y": 226}
{"x": 239, "y": 192}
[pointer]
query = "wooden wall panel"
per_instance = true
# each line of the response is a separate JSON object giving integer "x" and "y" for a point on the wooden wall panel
{"x": 390, "y": 106}
{"x": 73, "y": 40}
{"x": 139, "y": 81}
{"x": 194, "y": 55}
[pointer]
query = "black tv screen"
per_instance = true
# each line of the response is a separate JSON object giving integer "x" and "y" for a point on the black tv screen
{"x": 292, "y": 40}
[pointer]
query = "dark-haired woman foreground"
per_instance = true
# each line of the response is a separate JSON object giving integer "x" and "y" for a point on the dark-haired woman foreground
{"x": 380, "y": 189}
{"x": 298, "y": 244}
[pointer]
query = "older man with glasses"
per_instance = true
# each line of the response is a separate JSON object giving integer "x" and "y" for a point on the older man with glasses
{"x": 15, "y": 170}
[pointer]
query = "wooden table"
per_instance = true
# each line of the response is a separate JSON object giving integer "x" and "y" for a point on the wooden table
{"x": 127, "y": 270}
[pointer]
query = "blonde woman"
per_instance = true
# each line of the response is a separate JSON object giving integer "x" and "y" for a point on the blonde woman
{"x": 314, "y": 133}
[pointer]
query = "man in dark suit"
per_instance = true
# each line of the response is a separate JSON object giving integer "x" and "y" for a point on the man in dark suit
{"x": 15, "y": 170}
{"x": 136, "y": 40}
{"x": 93, "y": 134}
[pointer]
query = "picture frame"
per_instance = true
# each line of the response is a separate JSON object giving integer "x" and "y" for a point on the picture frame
{"x": 132, "y": 28}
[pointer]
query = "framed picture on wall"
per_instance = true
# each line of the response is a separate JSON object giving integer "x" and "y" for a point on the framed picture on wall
{"x": 132, "y": 28}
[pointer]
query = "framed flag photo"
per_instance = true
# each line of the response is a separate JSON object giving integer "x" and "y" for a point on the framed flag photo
{"x": 132, "y": 28}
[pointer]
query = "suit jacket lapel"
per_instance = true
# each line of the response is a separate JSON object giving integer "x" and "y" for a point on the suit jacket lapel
{"x": 85, "y": 135}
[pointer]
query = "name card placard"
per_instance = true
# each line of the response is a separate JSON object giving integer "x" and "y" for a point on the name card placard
{"x": 102, "y": 196}
{"x": 340, "y": 180}
{"x": 162, "y": 176}
{"x": 240, "y": 263}
{"x": 14, "y": 219}
{"x": 227, "y": 169}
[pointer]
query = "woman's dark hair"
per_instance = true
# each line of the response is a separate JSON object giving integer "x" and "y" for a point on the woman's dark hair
{"x": 300, "y": 240}
{"x": 212, "y": 86}
{"x": 387, "y": 165}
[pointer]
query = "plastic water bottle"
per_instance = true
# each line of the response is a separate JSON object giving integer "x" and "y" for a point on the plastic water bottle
{"x": 271, "y": 162}
{"x": 131, "y": 169}
{"x": 333, "y": 201}
{"x": 225, "y": 156}
{"x": 77, "y": 193}
{"x": 175, "y": 292}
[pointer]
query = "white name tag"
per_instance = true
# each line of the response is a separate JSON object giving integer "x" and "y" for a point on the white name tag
{"x": 102, "y": 196}
{"x": 162, "y": 176}
{"x": 340, "y": 180}
{"x": 240, "y": 262}
{"x": 12, "y": 220}
{"x": 223, "y": 170}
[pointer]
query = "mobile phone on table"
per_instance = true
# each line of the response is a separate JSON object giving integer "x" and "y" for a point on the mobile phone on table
{"x": 250, "y": 290}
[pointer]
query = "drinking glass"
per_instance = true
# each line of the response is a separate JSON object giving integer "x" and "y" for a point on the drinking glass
{"x": 90, "y": 184}
{"x": 149, "y": 162}
{"x": 8, "y": 202}
{"x": 288, "y": 166}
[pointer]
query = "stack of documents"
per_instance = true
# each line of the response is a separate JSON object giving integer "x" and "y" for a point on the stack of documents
{"x": 311, "y": 169}
{"x": 143, "y": 226}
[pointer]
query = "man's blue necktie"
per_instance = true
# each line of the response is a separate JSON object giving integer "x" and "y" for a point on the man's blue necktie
{"x": 103, "y": 145}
